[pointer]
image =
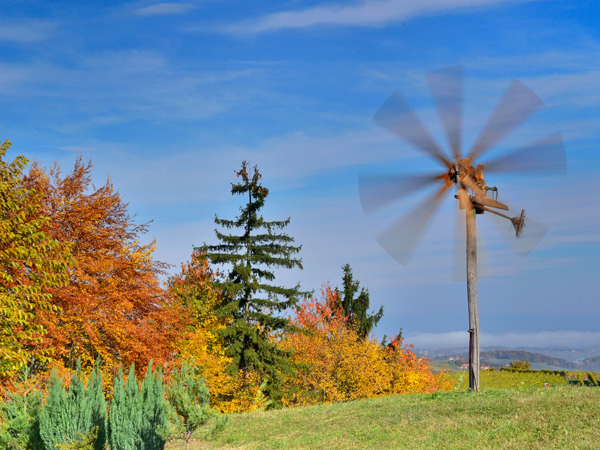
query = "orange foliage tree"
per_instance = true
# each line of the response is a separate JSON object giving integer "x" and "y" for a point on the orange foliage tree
{"x": 335, "y": 364}
{"x": 193, "y": 287}
{"x": 113, "y": 306}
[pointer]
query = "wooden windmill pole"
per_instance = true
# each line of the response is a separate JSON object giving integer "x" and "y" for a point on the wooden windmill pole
{"x": 378, "y": 191}
{"x": 472, "y": 299}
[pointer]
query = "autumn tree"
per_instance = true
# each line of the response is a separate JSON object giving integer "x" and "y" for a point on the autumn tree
{"x": 332, "y": 363}
{"x": 357, "y": 309}
{"x": 335, "y": 365}
{"x": 201, "y": 346}
{"x": 31, "y": 263}
{"x": 246, "y": 295}
{"x": 194, "y": 287}
{"x": 114, "y": 306}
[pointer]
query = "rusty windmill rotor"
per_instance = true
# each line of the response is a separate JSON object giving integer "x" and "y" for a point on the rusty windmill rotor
{"x": 464, "y": 172}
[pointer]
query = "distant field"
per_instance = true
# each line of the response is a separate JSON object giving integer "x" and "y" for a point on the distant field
{"x": 437, "y": 365}
{"x": 562, "y": 417}
{"x": 534, "y": 366}
{"x": 495, "y": 379}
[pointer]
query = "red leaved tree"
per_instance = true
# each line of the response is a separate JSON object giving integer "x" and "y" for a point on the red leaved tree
{"x": 114, "y": 306}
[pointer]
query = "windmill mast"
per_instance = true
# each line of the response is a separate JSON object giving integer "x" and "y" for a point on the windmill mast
{"x": 472, "y": 299}
{"x": 464, "y": 171}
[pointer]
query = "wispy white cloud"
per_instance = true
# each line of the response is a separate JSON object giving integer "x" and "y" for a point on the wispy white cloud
{"x": 25, "y": 32}
{"x": 119, "y": 86}
{"x": 164, "y": 9}
{"x": 371, "y": 13}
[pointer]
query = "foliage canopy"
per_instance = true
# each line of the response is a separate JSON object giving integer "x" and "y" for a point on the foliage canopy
{"x": 31, "y": 262}
{"x": 113, "y": 306}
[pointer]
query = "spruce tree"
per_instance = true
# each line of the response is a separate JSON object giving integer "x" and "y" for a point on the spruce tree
{"x": 356, "y": 309}
{"x": 247, "y": 297}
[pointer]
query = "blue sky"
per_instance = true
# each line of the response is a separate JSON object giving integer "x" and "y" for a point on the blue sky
{"x": 168, "y": 99}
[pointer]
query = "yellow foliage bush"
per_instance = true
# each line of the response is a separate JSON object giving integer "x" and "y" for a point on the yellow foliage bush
{"x": 335, "y": 365}
{"x": 229, "y": 393}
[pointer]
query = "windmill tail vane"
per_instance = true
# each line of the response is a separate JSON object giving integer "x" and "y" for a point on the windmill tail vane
{"x": 463, "y": 171}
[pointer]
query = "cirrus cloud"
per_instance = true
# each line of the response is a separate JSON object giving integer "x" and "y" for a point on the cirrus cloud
{"x": 164, "y": 9}
{"x": 370, "y": 13}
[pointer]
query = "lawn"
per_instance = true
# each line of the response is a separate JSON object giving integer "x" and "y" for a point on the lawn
{"x": 562, "y": 417}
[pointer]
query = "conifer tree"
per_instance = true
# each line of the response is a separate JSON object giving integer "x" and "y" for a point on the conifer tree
{"x": 19, "y": 414}
{"x": 356, "y": 309}
{"x": 154, "y": 413}
{"x": 247, "y": 297}
{"x": 53, "y": 419}
{"x": 189, "y": 396}
{"x": 137, "y": 417}
{"x": 70, "y": 416}
{"x": 125, "y": 413}
{"x": 97, "y": 405}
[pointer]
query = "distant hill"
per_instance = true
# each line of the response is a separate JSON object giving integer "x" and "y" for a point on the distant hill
{"x": 517, "y": 355}
{"x": 499, "y": 354}
{"x": 591, "y": 363}
{"x": 566, "y": 353}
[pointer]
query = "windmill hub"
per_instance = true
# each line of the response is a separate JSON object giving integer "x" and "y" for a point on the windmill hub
{"x": 463, "y": 173}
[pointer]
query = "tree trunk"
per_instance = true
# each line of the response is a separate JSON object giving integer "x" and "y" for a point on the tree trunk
{"x": 472, "y": 298}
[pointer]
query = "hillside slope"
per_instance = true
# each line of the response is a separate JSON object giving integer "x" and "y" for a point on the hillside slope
{"x": 545, "y": 418}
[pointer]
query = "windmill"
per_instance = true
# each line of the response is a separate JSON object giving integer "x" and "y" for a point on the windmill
{"x": 463, "y": 171}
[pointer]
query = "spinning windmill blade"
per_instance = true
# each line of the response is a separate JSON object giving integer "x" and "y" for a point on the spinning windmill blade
{"x": 545, "y": 156}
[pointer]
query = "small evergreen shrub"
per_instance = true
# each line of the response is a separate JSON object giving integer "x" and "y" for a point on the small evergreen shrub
{"x": 154, "y": 414}
{"x": 125, "y": 413}
{"x": 19, "y": 414}
{"x": 67, "y": 416}
{"x": 138, "y": 418}
{"x": 189, "y": 396}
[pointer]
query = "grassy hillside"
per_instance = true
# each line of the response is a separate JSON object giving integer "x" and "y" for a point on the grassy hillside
{"x": 543, "y": 418}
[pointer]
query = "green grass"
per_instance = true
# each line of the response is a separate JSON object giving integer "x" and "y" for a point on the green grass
{"x": 438, "y": 365}
{"x": 495, "y": 379}
{"x": 561, "y": 417}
